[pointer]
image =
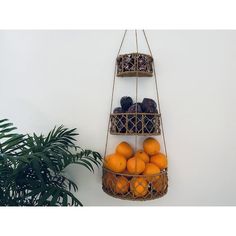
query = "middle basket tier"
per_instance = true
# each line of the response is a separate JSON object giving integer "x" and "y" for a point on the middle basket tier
{"x": 135, "y": 124}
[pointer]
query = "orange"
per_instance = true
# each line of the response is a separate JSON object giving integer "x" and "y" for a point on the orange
{"x": 151, "y": 169}
{"x": 124, "y": 149}
{"x": 121, "y": 185}
{"x": 135, "y": 165}
{"x": 160, "y": 160}
{"x": 139, "y": 187}
{"x": 109, "y": 181}
{"x": 157, "y": 185}
{"x": 160, "y": 185}
{"x": 115, "y": 162}
{"x": 151, "y": 146}
{"x": 143, "y": 155}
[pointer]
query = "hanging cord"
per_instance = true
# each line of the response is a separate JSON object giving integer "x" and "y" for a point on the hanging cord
{"x": 136, "y": 98}
{"x": 158, "y": 98}
{"x": 112, "y": 94}
{"x": 136, "y": 91}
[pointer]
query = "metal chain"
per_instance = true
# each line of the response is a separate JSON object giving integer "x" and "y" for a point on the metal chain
{"x": 112, "y": 94}
{"x": 158, "y": 98}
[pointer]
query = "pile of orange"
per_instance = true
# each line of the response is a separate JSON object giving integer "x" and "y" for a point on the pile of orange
{"x": 147, "y": 162}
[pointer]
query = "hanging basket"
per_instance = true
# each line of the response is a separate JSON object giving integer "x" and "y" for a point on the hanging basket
{"x": 126, "y": 185}
{"x": 134, "y": 187}
{"x": 135, "y": 124}
{"x": 134, "y": 64}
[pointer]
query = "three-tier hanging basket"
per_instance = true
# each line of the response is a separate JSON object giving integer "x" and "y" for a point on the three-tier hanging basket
{"x": 126, "y": 184}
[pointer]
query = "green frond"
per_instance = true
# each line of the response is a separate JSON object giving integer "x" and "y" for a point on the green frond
{"x": 31, "y": 166}
{"x": 10, "y": 143}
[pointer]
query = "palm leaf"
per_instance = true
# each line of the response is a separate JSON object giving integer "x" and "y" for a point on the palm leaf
{"x": 12, "y": 142}
{"x": 31, "y": 167}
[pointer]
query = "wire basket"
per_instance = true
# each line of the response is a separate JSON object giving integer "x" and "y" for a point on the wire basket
{"x": 134, "y": 187}
{"x": 134, "y": 64}
{"x": 135, "y": 124}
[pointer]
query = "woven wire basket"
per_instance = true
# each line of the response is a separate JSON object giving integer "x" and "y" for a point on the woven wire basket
{"x": 125, "y": 185}
{"x": 134, "y": 64}
{"x": 135, "y": 124}
{"x": 135, "y": 187}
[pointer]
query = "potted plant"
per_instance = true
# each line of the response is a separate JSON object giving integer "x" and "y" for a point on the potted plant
{"x": 31, "y": 166}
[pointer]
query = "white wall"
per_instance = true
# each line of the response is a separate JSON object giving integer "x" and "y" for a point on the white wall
{"x": 65, "y": 77}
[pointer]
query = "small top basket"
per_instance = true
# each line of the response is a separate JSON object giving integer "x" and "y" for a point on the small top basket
{"x": 134, "y": 64}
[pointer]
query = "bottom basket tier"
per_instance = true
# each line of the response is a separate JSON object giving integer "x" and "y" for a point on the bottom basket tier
{"x": 134, "y": 187}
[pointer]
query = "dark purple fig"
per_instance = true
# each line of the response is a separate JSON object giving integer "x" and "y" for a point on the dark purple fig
{"x": 120, "y": 120}
{"x": 149, "y": 124}
{"x": 120, "y": 127}
{"x": 126, "y": 103}
{"x": 118, "y": 110}
{"x": 132, "y": 109}
{"x": 134, "y": 123}
{"x": 149, "y": 105}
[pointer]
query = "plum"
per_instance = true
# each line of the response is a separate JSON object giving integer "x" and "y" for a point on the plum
{"x": 133, "y": 126}
{"x": 149, "y": 105}
{"x": 118, "y": 110}
{"x": 120, "y": 127}
{"x": 126, "y": 103}
{"x": 132, "y": 109}
{"x": 120, "y": 120}
{"x": 149, "y": 124}
{"x": 135, "y": 123}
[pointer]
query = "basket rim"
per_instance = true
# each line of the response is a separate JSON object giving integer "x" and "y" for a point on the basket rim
{"x": 134, "y": 73}
{"x": 134, "y": 53}
{"x": 138, "y": 134}
{"x": 138, "y": 113}
{"x": 141, "y": 199}
{"x": 164, "y": 171}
